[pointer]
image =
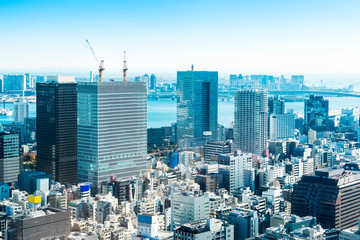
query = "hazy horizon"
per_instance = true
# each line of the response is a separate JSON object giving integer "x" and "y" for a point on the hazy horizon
{"x": 259, "y": 37}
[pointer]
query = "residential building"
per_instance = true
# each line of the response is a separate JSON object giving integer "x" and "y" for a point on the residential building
{"x": 251, "y": 121}
{"x": 212, "y": 229}
{"x": 238, "y": 163}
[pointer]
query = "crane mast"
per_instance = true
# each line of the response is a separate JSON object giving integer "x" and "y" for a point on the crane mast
{"x": 99, "y": 63}
{"x": 124, "y": 66}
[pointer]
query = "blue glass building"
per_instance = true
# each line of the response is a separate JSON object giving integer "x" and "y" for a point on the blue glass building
{"x": 197, "y": 104}
{"x": 30, "y": 181}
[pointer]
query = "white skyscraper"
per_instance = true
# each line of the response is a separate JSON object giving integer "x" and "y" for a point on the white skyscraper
{"x": 251, "y": 121}
{"x": 21, "y": 111}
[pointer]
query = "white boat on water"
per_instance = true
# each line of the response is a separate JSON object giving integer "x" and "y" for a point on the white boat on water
{"x": 5, "y": 112}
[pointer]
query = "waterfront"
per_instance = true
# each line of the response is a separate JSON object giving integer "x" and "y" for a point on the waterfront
{"x": 163, "y": 112}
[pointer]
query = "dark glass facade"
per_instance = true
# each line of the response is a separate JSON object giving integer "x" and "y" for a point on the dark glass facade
{"x": 56, "y": 130}
{"x": 276, "y": 106}
{"x": 316, "y": 113}
{"x": 332, "y": 196}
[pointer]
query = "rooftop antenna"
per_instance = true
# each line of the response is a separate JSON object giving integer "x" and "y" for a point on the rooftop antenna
{"x": 124, "y": 66}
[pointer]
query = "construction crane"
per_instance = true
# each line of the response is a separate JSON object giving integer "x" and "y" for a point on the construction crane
{"x": 99, "y": 63}
{"x": 124, "y": 66}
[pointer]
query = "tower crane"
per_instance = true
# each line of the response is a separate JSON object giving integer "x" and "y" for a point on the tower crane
{"x": 124, "y": 66}
{"x": 99, "y": 63}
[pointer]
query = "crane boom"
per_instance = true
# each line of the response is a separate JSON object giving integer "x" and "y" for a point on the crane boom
{"x": 99, "y": 63}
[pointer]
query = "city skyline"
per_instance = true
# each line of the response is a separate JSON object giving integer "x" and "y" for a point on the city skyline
{"x": 227, "y": 120}
{"x": 261, "y": 36}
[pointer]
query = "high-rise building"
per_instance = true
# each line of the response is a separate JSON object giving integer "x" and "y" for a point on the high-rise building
{"x": 297, "y": 79}
{"x": 29, "y": 82}
{"x": 330, "y": 195}
{"x": 281, "y": 126}
{"x": 9, "y": 157}
{"x": 112, "y": 130}
{"x": 152, "y": 84}
{"x": 29, "y": 130}
{"x": 251, "y": 121}
{"x": 276, "y": 106}
{"x": 235, "y": 82}
{"x": 197, "y": 104}
{"x": 56, "y": 128}
{"x": 240, "y": 163}
{"x": 14, "y": 83}
{"x": 1, "y": 83}
{"x": 21, "y": 111}
{"x": 316, "y": 113}
{"x": 40, "y": 79}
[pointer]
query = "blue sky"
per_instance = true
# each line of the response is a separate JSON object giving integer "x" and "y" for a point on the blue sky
{"x": 253, "y": 36}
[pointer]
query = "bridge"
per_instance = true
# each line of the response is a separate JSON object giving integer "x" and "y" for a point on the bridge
{"x": 330, "y": 92}
{"x": 229, "y": 94}
{"x": 322, "y": 92}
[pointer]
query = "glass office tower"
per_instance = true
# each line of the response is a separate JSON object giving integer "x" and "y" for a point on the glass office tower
{"x": 56, "y": 123}
{"x": 112, "y": 130}
{"x": 197, "y": 103}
